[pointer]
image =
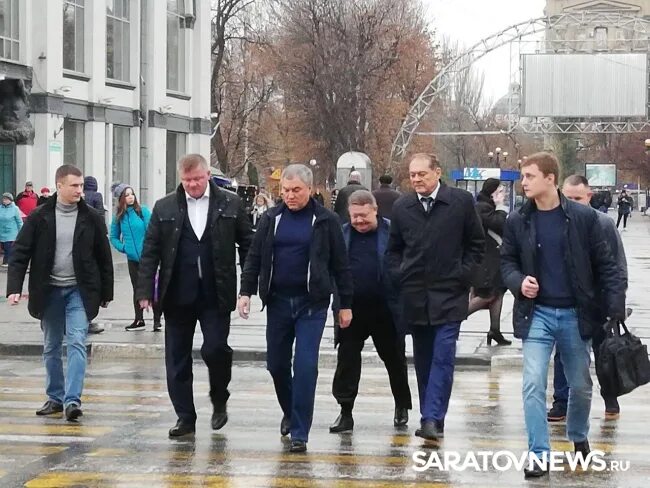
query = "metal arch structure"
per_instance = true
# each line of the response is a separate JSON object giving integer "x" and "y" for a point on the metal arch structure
{"x": 641, "y": 33}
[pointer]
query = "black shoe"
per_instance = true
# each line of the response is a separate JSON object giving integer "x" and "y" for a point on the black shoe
{"x": 285, "y": 426}
{"x": 612, "y": 409}
{"x": 136, "y": 325}
{"x": 298, "y": 446}
{"x": 157, "y": 326}
{"x": 497, "y": 336}
{"x": 582, "y": 447}
{"x": 219, "y": 416}
{"x": 49, "y": 408}
{"x": 535, "y": 472}
{"x": 401, "y": 417}
{"x": 430, "y": 430}
{"x": 556, "y": 414}
{"x": 73, "y": 412}
{"x": 181, "y": 429}
{"x": 343, "y": 424}
{"x": 94, "y": 328}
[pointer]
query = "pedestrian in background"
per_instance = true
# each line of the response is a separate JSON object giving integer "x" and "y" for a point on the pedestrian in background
{"x": 341, "y": 205}
{"x": 93, "y": 198}
{"x": 436, "y": 240}
{"x": 625, "y": 204}
{"x": 128, "y": 230}
{"x": 193, "y": 236}
{"x": 298, "y": 254}
{"x": 488, "y": 288}
{"x": 262, "y": 204}
{"x": 318, "y": 196}
{"x": 71, "y": 276}
{"x": 45, "y": 194}
{"x": 333, "y": 196}
{"x": 386, "y": 197}
{"x": 27, "y": 200}
{"x": 10, "y": 224}
{"x": 553, "y": 248}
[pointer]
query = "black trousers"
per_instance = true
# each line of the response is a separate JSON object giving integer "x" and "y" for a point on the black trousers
{"x": 134, "y": 267}
{"x": 180, "y": 323}
{"x": 370, "y": 318}
{"x": 623, "y": 216}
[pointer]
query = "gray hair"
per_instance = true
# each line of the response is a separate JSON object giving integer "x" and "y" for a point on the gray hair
{"x": 299, "y": 171}
{"x": 362, "y": 197}
{"x": 192, "y": 161}
{"x": 355, "y": 176}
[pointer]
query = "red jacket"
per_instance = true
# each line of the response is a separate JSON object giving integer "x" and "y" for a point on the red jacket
{"x": 26, "y": 201}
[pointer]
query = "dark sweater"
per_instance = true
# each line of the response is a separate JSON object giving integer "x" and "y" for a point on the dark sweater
{"x": 364, "y": 264}
{"x": 291, "y": 251}
{"x": 554, "y": 280}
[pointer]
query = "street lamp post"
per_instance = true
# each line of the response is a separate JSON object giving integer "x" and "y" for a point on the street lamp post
{"x": 498, "y": 152}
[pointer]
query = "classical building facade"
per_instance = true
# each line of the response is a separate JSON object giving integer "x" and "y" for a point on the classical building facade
{"x": 120, "y": 88}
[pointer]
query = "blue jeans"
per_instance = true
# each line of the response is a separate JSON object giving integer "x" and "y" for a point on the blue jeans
{"x": 6, "y": 250}
{"x": 292, "y": 318}
{"x": 434, "y": 351}
{"x": 552, "y": 326}
{"x": 64, "y": 315}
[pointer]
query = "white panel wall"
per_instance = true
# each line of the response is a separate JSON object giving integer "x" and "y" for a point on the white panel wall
{"x": 585, "y": 85}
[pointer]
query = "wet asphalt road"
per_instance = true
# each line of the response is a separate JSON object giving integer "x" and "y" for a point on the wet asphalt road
{"x": 121, "y": 441}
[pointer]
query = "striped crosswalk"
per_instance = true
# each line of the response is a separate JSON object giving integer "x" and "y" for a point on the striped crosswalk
{"x": 121, "y": 441}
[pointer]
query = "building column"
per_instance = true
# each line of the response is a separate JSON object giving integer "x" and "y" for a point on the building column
{"x": 95, "y": 149}
{"x": 153, "y": 176}
{"x": 47, "y": 152}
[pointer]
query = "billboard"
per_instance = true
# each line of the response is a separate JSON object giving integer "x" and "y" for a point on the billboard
{"x": 584, "y": 85}
{"x": 601, "y": 174}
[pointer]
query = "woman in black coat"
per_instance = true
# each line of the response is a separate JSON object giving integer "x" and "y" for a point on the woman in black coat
{"x": 488, "y": 287}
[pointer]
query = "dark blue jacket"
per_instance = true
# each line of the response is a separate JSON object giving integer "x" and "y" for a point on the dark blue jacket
{"x": 328, "y": 259}
{"x": 92, "y": 197}
{"x": 589, "y": 259}
{"x": 391, "y": 289}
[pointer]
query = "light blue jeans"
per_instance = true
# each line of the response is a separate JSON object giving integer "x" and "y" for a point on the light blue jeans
{"x": 64, "y": 315}
{"x": 555, "y": 326}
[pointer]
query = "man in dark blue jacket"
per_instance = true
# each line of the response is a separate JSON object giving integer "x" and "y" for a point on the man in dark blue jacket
{"x": 298, "y": 252}
{"x": 374, "y": 308}
{"x": 576, "y": 188}
{"x": 556, "y": 262}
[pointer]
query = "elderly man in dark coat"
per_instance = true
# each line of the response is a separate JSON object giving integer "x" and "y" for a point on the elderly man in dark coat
{"x": 436, "y": 239}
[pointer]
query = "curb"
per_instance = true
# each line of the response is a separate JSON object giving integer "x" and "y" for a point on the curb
{"x": 108, "y": 350}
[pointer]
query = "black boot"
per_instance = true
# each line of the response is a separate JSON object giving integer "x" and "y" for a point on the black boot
{"x": 535, "y": 472}
{"x": 401, "y": 417}
{"x": 497, "y": 336}
{"x": 181, "y": 429}
{"x": 285, "y": 426}
{"x": 219, "y": 416}
{"x": 344, "y": 423}
{"x": 582, "y": 447}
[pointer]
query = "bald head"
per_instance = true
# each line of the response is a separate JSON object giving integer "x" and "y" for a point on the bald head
{"x": 576, "y": 188}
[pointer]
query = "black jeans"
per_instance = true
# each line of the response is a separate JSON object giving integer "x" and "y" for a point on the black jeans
{"x": 370, "y": 318}
{"x": 180, "y": 323}
{"x": 134, "y": 267}
{"x": 623, "y": 216}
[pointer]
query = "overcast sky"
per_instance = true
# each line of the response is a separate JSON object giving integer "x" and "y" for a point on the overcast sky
{"x": 469, "y": 21}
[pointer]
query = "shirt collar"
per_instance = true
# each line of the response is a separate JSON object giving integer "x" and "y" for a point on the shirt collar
{"x": 206, "y": 195}
{"x": 433, "y": 194}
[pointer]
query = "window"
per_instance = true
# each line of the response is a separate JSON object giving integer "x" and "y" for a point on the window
{"x": 73, "y": 35}
{"x": 175, "y": 46}
{"x": 9, "y": 38}
{"x": 118, "y": 30}
{"x": 175, "y": 149}
{"x": 601, "y": 37}
{"x": 73, "y": 143}
{"x": 121, "y": 154}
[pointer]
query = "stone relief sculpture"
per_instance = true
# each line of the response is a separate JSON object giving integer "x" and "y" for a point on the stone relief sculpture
{"x": 14, "y": 114}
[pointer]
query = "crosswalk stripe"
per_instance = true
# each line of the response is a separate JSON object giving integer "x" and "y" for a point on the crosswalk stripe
{"x": 73, "y": 479}
{"x": 66, "y": 429}
{"x": 44, "y": 439}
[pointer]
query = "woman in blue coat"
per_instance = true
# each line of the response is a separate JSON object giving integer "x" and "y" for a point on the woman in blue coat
{"x": 127, "y": 236}
{"x": 10, "y": 224}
